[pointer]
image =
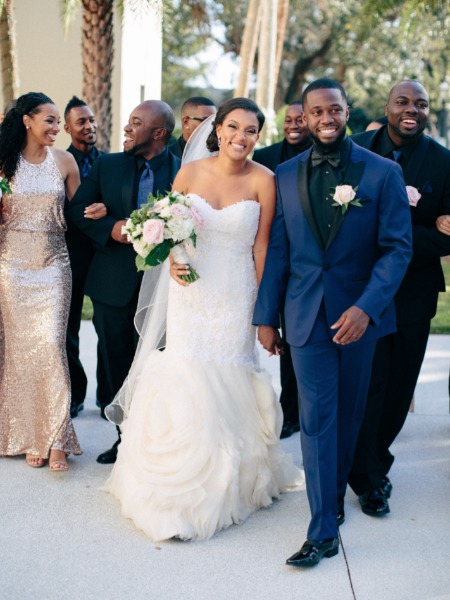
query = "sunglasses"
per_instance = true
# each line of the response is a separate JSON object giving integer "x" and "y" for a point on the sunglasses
{"x": 201, "y": 119}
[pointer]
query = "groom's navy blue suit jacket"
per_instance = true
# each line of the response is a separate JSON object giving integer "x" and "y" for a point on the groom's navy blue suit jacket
{"x": 363, "y": 263}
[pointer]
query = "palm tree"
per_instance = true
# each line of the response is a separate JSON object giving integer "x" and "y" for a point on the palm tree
{"x": 8, "y": 51}
{"x": 97, "y": 45}
{"x": 98, "y": 50}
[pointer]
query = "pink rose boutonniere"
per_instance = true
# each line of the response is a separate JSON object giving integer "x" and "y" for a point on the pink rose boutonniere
{"x": 344, "y": 196}
{"x": 413, "y": 195}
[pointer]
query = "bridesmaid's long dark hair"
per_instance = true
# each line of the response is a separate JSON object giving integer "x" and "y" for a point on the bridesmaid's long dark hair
{"x": 13, "y": 131}
{"x": 212, "y": 143}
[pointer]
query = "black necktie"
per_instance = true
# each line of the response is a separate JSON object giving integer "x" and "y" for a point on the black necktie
{"x": 334, "y": 158}
{"x": 85, "y": 166}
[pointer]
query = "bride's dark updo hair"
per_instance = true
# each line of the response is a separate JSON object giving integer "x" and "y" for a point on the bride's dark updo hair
{"x": 212, "y": 143}
{"x": 13, "y": 131}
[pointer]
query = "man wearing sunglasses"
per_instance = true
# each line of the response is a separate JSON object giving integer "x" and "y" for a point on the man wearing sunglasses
{"x": 193, "y": 112}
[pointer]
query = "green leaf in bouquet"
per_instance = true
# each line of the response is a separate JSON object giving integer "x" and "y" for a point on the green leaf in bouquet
{"x": 159, "y": 254}
{"x": 193, "y": 237}
{"x": 141, "y": 264}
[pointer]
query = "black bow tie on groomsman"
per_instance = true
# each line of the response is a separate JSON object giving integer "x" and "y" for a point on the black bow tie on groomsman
{"x": 334, "y": 158}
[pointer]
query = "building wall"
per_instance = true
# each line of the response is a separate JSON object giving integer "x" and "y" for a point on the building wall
{"x": 50, "y": 62}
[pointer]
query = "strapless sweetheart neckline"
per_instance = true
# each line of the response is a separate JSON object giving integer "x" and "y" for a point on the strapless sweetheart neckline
{"x": 224, "y": 207}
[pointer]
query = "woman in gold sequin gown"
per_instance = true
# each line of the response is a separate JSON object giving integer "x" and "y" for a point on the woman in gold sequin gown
{"x": 35, "y": 287}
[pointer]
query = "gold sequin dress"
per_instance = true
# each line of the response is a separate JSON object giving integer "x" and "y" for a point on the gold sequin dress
{"x": 35, "y": 290}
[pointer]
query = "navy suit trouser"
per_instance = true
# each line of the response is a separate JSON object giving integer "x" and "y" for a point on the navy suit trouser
{"x": 333, "y": 381}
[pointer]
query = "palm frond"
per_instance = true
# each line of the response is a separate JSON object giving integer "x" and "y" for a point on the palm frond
{"x": 69, "y": 10}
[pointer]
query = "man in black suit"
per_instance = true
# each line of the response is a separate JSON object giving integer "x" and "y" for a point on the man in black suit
{"x": 193, "y": 112}
{"x": 117, "y": 181}
{"x": 81, "y": 125}
{"x": 399, "y": 356}
{"x": 296, "y": 140}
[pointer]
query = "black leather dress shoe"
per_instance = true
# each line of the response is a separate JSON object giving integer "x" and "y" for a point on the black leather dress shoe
{"x": 75, "y": 409}
{"x": 386, "y": 487}
{"x": 340, "y": 512}
{"x": 374, "y": 503}
{"x": 312, "y": 551}
{"x": 108, "y": 457}
{"x": 288, "y": 429}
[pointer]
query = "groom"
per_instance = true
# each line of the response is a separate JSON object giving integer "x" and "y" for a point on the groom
{"x": 338, "y": 268}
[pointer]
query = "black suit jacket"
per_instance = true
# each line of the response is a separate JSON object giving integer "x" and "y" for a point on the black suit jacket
{"x": 112, "y": 278}
{"x": 428, "y": 170}
{"x": 178, "y": 147}
{"x": 270, "y": 156}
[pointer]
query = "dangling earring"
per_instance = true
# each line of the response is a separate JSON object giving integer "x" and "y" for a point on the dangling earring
{"x": 219, "y": 142}
{"x": 27, "y": 127}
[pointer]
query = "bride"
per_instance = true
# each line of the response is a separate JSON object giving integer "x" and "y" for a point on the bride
{"x": 200, "y": 443}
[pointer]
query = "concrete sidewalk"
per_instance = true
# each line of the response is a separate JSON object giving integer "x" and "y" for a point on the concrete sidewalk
{"x": 62, "y": 537}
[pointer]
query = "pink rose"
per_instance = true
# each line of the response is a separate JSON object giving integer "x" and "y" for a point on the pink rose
{"x": 153, "y": 232}
{"x": 197, "y": 216}
{"x": 344, "y": 194}
{"x": 413, "y": 195}
{"x": 178, "y": 210}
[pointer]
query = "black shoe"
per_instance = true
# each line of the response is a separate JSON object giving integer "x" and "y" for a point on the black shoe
{"x": 374, "y": 503}
{"x": 340, "y": 512}
{"x": 288, "y": 429}
{"x": 312, "y": 551}
{"x": 108, "y": 457}
{"x": 75, "y": 409}
{"x": 386, "y": 487}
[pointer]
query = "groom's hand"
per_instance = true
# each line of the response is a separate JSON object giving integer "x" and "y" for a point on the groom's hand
{"x": 270, "y": 340}
{"x": 351, "y": 326}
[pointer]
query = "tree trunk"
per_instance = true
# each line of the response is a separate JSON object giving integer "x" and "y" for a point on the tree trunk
{"x": 8, "y": 52}
{"x": 283, "y": 11}
{"x": 248, "y": 48}
{"x": 265, "y": 86}
{"x": 97, "y": 52}
{"x": 304, "y": 65}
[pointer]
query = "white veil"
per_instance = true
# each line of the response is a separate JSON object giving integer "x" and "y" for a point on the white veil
{"x": 151, "y": 313}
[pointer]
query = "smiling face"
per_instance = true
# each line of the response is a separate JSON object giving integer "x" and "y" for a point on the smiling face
{"x": 407, "y": 111}
{"x": 325, "y": 113}
{"x": 81, "y": 125}
{"x": 144, "y": 131}
{"x": 43, "y": 126}
{"x": 238, "y": 133}
{"x": 294, "y": 128}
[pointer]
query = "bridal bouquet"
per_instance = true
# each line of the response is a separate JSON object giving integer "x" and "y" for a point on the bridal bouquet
{"x": 4, "y": 187}
{"x": 163, "y": 225}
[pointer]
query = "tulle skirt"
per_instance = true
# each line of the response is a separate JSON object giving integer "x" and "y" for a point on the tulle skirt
{"x": 200, "y": 448}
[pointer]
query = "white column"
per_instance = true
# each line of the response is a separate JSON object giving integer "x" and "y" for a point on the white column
{"x": 141, "y": 56}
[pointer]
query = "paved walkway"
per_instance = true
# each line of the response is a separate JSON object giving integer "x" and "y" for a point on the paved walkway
{"x": 62, "y": 537}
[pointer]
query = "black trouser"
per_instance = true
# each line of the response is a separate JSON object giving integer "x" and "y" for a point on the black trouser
{"x": 289, "y": 398}
{"x": 395, "y": 370}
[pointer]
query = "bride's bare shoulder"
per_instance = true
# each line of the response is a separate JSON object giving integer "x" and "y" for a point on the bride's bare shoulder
{"x": 193, "y": 171}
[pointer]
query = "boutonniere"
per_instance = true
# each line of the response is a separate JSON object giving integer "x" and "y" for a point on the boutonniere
{"x": 4, "y": 187}
{"x": 344, "y": 196}
{"x": 413, "y": 195}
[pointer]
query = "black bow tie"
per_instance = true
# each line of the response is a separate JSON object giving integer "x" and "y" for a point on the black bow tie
{"x": 334, "y": 158}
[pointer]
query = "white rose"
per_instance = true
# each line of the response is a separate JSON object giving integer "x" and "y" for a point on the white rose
{"x": 160, "y": 204}
{"x": 141, "y": 248}
{"x": 165, "y": 212}
{"x": 344, "y": 194}
{"x": 179, "y": 229}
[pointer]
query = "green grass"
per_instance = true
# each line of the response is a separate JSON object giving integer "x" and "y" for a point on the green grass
{"x": 440, "y": 323}
{"x": 87, "y": 311}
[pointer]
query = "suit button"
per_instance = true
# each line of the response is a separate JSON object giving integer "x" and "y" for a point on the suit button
{"x": 326, "y": 267}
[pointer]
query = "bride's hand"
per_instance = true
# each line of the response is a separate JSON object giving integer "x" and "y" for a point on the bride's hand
{"x": 176, "y": 270}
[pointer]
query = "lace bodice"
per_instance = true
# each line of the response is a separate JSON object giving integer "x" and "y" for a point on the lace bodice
{"x": 211, "y": 319}
{"x": 37, "y": 201}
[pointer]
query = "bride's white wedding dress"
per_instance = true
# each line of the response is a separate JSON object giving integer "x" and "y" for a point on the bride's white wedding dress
{"x": 200, "y": 448}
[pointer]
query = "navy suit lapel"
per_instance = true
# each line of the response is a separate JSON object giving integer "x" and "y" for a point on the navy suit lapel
{"x": 414, "y": 166}
{"x": 303, "y": 192}
{"x": 352, "y": 176}
{"x": 128, "y": 201}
